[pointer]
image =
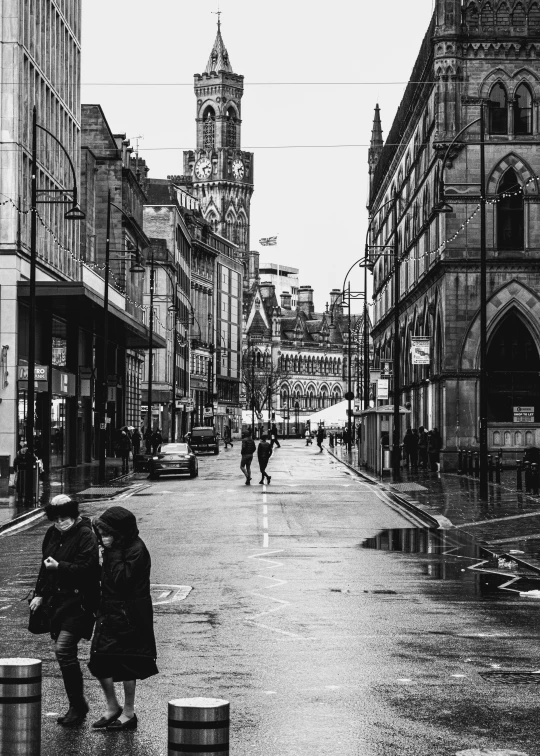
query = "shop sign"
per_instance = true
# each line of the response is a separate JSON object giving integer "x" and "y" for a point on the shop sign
{"x": 524, "y": 414}
{"x": 41, "y": 372}
{"x": 208, "y": 412}
{"x": 382, "y": 388}
{"x": 144, "y": 408}
{"x": 387, "y": 367}
{"x": 63, "y": 383}
{"x": 421, "y": 350}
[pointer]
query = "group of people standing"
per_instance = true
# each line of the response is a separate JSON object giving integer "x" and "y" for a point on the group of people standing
{"x": 130, "y": 440}
{"x": 110, "y": 604}
{"x": 422, "y": 448}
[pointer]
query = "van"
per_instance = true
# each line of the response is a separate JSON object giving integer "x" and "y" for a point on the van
{"x": 204, "y": 439}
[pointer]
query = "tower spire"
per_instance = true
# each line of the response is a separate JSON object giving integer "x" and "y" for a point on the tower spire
{"x": 376, "y": 145}
{"x": 219, "y": 57}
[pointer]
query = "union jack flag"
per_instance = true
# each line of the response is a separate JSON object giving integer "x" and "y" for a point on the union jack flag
{"x": 268, "y": 241}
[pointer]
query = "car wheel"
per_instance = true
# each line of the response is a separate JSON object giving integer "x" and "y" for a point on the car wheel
{"x": 216, "y": 451}
{"x": 153, "y": 476}
{"x": 193, "y": 473}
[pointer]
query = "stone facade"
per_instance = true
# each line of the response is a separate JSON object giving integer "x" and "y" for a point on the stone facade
{"x": 473, "y": 53}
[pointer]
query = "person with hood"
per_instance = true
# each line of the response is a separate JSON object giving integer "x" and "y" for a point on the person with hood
{"x": 123, "y": 647}
{"x": 67, "y": 590}
{"x": 124, "y": 447}
{"x": 247, "y": 452}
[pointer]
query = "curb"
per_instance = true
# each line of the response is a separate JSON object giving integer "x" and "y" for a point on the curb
{"x": 434, "y": 521}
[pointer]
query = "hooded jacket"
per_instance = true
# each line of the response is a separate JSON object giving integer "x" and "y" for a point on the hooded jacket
{"x": 71, "y": 592}
{"x": 125, "y": 618}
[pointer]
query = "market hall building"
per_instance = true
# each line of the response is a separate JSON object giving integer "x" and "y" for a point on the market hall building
{"x": 474, "y": 52}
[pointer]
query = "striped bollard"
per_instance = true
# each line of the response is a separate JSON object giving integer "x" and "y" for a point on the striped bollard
{"x": 198, "y": 722}
{"x": 20, "y": 707}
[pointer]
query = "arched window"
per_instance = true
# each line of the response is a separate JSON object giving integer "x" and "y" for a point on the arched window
{"x": 487, "y": 15}
{"x": 513, "y": 367}
{"x": 472, "y": 15}
{"x": 231, "y": 128}
{"x": 209, "y": 129}
{"x": 534, "y": 16}
{"x": 518, "y": 16}
{"x": 523, "y": 110}
{"x": 510, "y": 213}
{"x": 498, "y": 110}
{"x": 503, "y": 15}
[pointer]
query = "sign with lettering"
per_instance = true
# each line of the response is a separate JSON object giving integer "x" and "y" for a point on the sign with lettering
{"x": 421, "y": 350}
{"x": 524, "y": 414}
{"x": 382, "y": 388}
{"x": 41, "y": 372}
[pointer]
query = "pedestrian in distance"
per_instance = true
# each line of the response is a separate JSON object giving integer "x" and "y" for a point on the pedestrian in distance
{"x": 227, "y": 436}
{"x": 320, "y": 438}
{"x": 157, "y": 440}
{"x": 67, "y": 593}
{"x": 434, "y": 450}
{"x": 136, "y": 439}
{"x": 148, "y": 440}
{"x": 247, "y": 452}
{"x": 264, "y": 452}
{"x": 309, "y": 440}
{"x": 414, "y": 450}
{"x": 410, "y": 448}
{"x": 123, "y": 647}
{"x": 274, "y": 436}
{"x": 422, "y": 447}
{"x": 124, "y": 448}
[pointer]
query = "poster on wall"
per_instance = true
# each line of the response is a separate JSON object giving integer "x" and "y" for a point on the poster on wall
{"x": 524, "y": 414}
{"x": 421, "y": 350}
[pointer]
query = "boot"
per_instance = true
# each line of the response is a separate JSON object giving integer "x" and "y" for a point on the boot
{"x": 78, "y": 707}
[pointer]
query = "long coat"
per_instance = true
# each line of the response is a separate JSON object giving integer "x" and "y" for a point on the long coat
{"x": 71, "y": 592}
{"x": 123, "y": 646}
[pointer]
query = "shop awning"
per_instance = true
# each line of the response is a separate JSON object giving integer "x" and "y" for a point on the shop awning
{"x": 75, "y": 299}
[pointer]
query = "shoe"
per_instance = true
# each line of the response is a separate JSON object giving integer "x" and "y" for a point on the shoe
{"x": 75, "y": 715}
{"x": 105, "y": 721}
{"x": 116, "y": 726}
{"x": 261, "y": 482}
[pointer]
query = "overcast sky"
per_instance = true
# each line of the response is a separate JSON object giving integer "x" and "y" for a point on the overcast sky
{"x": 312, "y": 197}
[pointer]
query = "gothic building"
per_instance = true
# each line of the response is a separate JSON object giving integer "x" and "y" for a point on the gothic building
{"x": 477, "y": 56}
{"x": 219, "y": 171}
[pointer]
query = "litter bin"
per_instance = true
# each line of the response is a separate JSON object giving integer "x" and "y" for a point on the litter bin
{"x": 387, "y": 458}
{"x": 4, "y": 474}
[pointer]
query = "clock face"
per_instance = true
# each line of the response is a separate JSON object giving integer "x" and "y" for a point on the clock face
{"x": 203, "y": 168}
{"x": 238, "y": 169}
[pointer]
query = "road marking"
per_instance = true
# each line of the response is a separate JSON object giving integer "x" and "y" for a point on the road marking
{"x": 3, "y": 608}
{"x": 170, "y": 594}
{"x": 266, "y": 537}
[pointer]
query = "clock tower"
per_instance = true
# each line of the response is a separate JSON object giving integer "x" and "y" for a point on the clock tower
{"x": 222, "y": 173}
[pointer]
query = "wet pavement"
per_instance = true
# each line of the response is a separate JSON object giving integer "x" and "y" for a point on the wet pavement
{"x": 332, "y": 620}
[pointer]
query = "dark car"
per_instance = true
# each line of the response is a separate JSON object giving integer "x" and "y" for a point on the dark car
{"x": 204, "y": 439}
{"x": 174, "y": 459}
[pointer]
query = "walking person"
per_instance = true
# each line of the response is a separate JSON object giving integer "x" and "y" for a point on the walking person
{"x": 123, "y": 647}
{"x": 414, "y": 450}
{"x": 422, "y": 447}
{"x": 227, "y": 436}
{"x": 309, "y": 440}
{"x": 320, "y": 437}
{"x": 434, "y": 450}
{"x": 157, "y": 440}
{"x": 124, "y": 447}
{"x": 136, "y": 439}
{"x": 247, "y": 452}
{"x": 408, "y": 441}
{"x": 274, "y": 436}
{"x": 67, "y": 592}
{"x": 264, "y": 452}
{"x": 148, "y": 440}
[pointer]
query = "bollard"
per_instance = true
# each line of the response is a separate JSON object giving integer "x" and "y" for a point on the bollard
{"x": 198, "y": 722}
{"x": 527, "y": 468}
{"x": 490, "y": 468}
{"x": 460, "y": 462}
{"x": 498, "y": 466}
{"x": 476, "y": 465}
{"x": 534, "y": 478}
{"x": 20, "y": 707}
{"x": 469, "y": 462}
{"x": 519, "y": 475}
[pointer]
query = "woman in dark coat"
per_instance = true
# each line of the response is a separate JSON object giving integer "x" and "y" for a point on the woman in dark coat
{"x": 123, "y": 646}
{"x": 68, "y": 588}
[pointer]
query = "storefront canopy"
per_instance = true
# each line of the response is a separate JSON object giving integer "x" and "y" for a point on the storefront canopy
{"x": 246, "y": 417}
{"x": 334, "y": 415}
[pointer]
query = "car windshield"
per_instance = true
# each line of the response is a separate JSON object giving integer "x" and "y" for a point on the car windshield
{"x": 174, "y": 449}
{"x": 203, "y": 432}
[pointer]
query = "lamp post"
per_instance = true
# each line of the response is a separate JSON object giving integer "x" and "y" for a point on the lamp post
{"x": 443, "y": 207}
{"x": 150, "y": 354}
{"x": 397, "y": 347}
{"x": 74, "y": 213}
{"x": 136, "y": 268}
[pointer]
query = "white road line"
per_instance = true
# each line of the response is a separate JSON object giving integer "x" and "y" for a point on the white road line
{"x": 266, "y": 537}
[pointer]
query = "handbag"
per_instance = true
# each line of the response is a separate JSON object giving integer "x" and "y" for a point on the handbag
{"x": 39, "y": 621}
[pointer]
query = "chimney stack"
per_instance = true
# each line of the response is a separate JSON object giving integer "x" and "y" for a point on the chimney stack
{"x": 286, "y": 300}
{"x": 267, "y": 290}
{"x": 305, "y": 300}
{"x": 336, "y": 304}
{"x": 253, "y": 273}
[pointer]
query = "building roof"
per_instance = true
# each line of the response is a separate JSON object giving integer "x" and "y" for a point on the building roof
{"x": 219, "y": 57}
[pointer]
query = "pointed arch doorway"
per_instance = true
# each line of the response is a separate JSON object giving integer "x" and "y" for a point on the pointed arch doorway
{"x": 513, "y": 367}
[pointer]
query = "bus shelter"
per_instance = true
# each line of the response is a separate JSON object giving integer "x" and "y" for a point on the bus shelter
{"x": 375, "y": 448}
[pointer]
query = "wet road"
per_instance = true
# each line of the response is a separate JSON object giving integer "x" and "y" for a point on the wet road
{"x": 331, "y": 621}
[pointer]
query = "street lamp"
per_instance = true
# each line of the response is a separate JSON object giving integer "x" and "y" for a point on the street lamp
{"x": 73, "y": 214}
{"x": 135, "y": 268}
{"x": 443, "y": 207}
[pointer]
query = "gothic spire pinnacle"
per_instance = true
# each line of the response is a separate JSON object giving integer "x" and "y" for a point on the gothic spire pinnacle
{"x": 219, "y": 57}
{"x": 376, "y": 132}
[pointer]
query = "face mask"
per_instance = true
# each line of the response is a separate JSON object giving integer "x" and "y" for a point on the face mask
{"x": 64, "y": 525}
{"x": 107, "y": 541}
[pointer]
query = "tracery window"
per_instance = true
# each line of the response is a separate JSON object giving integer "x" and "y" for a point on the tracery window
{"x": 510, "y": 223}
{"x": 209, "y": 129}
{"x": 523, "y": 110}
{"x": 498, "y": 110}
{"x": 231, "y": 128}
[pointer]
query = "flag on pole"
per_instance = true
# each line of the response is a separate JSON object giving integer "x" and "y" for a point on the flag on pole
{"x": 268, "y": 241}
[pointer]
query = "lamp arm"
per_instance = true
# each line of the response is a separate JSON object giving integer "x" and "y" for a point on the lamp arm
{"x": 59, "y": 143}
{"x": 445, "y": 158}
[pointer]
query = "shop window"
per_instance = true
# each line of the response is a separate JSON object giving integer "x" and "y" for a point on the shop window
{"x": 523, "y": 110}
{"x": 498, "y": 110}
{"x": 510, "y": 213}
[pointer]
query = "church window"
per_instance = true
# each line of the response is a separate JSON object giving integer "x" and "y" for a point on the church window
{"x": 518, "y": 16}
{"x": 523, "y": 110}
{"x": 231, "y": 128}
{"x": 503, "y": 15}
{"x": 209, "y": 129}
{"x": 472, "y": 14}
{"x": 534, "y": 16}
{"x": 487, "y": 15}
{"x": 498, "y": 110}
{"x": 510, "y": 213}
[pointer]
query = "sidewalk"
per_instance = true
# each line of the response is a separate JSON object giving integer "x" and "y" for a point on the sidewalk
{"x": 508, "y": 520}
{"x": 74, "y": 481}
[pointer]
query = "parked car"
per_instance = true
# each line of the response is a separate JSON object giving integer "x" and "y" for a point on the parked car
{"x": 204, "y": 439}
{"x": 174, "y": 459}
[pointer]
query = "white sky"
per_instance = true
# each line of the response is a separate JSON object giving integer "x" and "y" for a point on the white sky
{"x": 313, "y": 198}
